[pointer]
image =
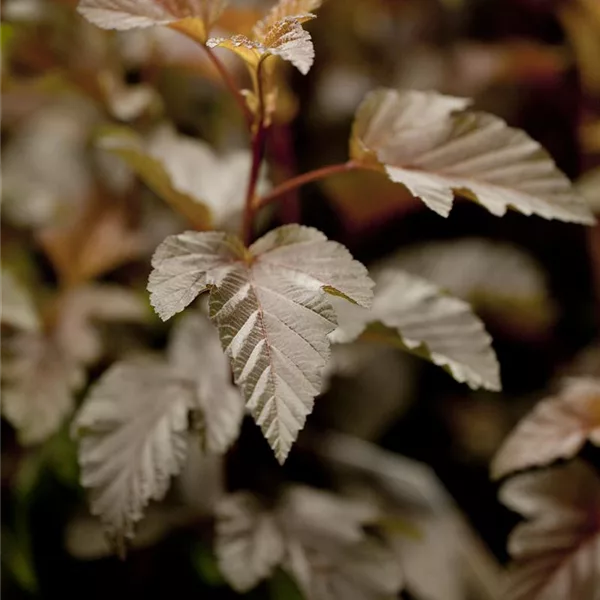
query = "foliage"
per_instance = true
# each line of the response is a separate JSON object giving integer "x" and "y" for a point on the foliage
{"x": 122, "y": 199}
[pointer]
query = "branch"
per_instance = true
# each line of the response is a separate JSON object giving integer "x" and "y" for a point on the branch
{"x": 230, "y": 84}
{"x": 300, "y": 180}
{"x": 258, "y": 147}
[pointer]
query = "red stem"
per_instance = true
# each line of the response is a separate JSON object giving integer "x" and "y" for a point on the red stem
{"x": 300, "y": 180}
{"x": 225, "y": 75}
{"x": 258, "y": 148}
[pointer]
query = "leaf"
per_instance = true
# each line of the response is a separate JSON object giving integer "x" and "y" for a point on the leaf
{"x": 363, "y": 571}
{"x": 433, "y": 146}
{"x": 46, "y": 175}
{"x": 123, "y": 143}
{"x": 218, "y": 181}
{"x": 416, "y": 315}
{"x": 196, "y": 356}
{"x": 132, "y": 431}
{"x": 328, "y": 551}
{"x": 83, "y": 308}
{"x": 558, "y": 427}
{"x": 497, "y": 278}
{"x": 323, "y": 517}
{"x": 99, "y": 241}
{"x": 249, "y": 544}
{"x": 271, "y": 304}
{"x": 280, "y": 33}
{"x": 18, "y": 309}
{"x": 556, "y": 551}
{"x": 410, "y": 488}
{"x": 38, "y": 385}
{"x": 193, "y": 17}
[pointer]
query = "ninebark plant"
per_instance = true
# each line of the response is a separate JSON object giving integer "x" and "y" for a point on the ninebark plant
{"x": 276, "y": 304}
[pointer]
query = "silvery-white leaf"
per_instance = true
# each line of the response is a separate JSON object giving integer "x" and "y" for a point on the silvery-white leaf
{"x": 360, "y": 571}
{"x": 129, "y": 14}
{"x": 320, "y": 517}
{"x": 38, "y": 385}
{"x": 132, "y": 431}
{"x": 249, "y": 544}
{"x": 430, "y": 144}
{"x": 217, "y": 180}
{"x": 196, "y": 355}
{"x": 557, "y": 428}
{"x": 46, "y": 175}
{"x": 18, "y": 309}
{"x": 429, "y": 323}
{"x": 270, "y": 305}
{"x": 556, "y": 552}
{"x": 85, "y": 306}
{"x": 480, "y": 271}
{"x": 328, "y": 550}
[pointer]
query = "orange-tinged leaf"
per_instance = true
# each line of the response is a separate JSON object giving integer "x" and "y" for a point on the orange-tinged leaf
{"x": 557, "y": 428}
{"x": 100, "y": 241}
{"x": 280, "y": 33}
{"x": 300, "y": 10}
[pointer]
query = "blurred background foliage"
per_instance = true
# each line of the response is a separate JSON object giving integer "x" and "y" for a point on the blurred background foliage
{"x": 75, "y": 221}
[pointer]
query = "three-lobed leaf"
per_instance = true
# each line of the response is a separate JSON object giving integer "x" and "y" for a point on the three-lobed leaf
{"x": 436, "y": 148}
{"x": 557, "y": 428}
{"x": 272, "y": 306}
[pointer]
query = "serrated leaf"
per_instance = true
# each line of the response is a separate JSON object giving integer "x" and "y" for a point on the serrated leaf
{"x": 271, "y": 304}
{"x": 18, "y": 309}
{"x": 415, "y": 315}
{"x": 196, "y": 356}
{"x": 301, "y": 10}
{"x": 280, "y": 33}
{"x": 557, "y": 428}
{"x": 434, "y": 147}
{"x": 125, "y": 144}
{"x": 39, "y": 381}
{"x": 249, "y": 544}
{"x": 133, "y": 437}
{"x": 494, "y": 277}
{"x": 193, "y": 17}
{"x": 556, "y": 551}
